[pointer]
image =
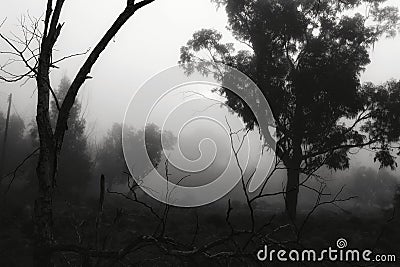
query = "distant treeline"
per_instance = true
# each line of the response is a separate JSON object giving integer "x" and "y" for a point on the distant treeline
{"x": 80, "y": 163}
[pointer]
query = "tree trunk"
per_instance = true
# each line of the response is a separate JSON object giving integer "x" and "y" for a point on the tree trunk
{"x": 46, "y": 173}
{"x": 43, "y": 223}
{"x": 292, "y": 192}
{"x": 51, "y": 141}
{"x": 293, "y": 179}
{"x": 293, "y": 163}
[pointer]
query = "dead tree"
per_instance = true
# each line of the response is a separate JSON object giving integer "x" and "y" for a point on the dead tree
{"x": 38, "y": 62}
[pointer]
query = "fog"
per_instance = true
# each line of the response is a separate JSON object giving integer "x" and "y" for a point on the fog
{"x": 184, "y": 165}
{"x": 148, "y": 44}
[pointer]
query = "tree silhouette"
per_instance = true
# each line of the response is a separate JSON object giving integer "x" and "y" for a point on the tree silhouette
{"x": 110, "y": 157}
{"x": 17, "y": 146}
{"x": 34, "y": 50}
{"x": 306, "y": 57}
{"x": 75, "y": 165}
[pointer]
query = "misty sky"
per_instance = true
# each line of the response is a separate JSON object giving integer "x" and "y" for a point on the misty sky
{"x": 146, "y": 45}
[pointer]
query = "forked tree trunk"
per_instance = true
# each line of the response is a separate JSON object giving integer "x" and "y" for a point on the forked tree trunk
{"x": 51, "y": 140}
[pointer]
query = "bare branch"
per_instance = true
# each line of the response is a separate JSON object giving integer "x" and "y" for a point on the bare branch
{"x": 14, "y": 173}
{"x": 68, "y": 57}
{"x": 84, "y": 71}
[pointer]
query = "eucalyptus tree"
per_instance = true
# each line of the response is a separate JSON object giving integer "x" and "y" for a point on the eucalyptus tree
{"x": 307, "y": 56}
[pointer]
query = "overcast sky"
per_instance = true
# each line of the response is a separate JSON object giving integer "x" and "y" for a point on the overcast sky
{"x": 147, "y": 44}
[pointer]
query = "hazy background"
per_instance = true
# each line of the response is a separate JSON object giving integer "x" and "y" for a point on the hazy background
{"x": 147, "y": 44}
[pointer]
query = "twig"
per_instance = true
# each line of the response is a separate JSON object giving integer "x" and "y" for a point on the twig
{"x": 14, "y": 173}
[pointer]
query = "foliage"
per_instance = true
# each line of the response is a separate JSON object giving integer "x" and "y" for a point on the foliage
{"x": 385, "y": 123}
{"x": 110, "y": 158}
{"x": 307, "y": 57}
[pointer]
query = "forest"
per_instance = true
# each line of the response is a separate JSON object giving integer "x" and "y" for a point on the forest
{"x": 311, "y": 149}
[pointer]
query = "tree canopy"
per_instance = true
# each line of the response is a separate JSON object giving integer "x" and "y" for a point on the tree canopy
{"x": 307, "y": 56}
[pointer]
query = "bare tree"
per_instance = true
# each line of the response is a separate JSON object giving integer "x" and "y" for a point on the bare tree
{"x": 35, "y": 51}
